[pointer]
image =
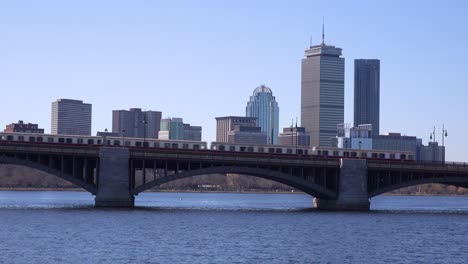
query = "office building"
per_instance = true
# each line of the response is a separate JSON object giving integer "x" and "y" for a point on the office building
{"x": 396, "y": 142}
{"x": 367, "y": 93}
{"x": 294, "y": 136}
{"x": 239, "y": 129}
{"x": 136, "y": 123}
{"x": 172, "y": 128}
{"x": 71, "y": 117}
{"x": 432, "y": 153}
{"x": 24, "y": 128}
{"x": 192, "y": 133}
{"x": 263, "y": 106}
{"x": 322, "y": 92}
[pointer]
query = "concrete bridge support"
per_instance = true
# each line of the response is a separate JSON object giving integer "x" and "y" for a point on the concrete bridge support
{"x": 352, "y": 191}
{"x": 113, "y": 184}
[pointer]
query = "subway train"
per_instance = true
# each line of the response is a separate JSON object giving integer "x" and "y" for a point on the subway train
{"x": 317, "y": 152}
{"x": 98, "y": 140}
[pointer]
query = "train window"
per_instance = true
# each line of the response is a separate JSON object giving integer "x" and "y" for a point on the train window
{"x": 279, "y": 150}
{"x": 185, "y": 146}
{"x": 155, "y": 144}
{"x": 232, "y": 148}
{"x": 381, "y": 155}
{"x": 410, "y": 157}
{"x": 69, "y": 140}
{"x": 91, "y": 141}
{"x": 166, "y": 145}
{"x": 306, "y": 152}
{"x": 364, "y": 154}
{"x": 61, "y": 140}
{"x": 250, "y": 149}
{"x": 175, "y": 146}
{"x": 242, "y": 149}
{"x": 79, "y": 141}
{"x": 108, "y": 142}
{"x": 116, "y": 142}
{"x": 261, "y": 149}
{"x": 300, "y": 151}
{"x": 39, "y": 139}
{"x": 222, "y": 147}
{"x": 138, "y": 144}
{"x": 145, "y": 144}
{"x": 196, "y": 146}
{"x": 50, "y": 140}
{"x": 392, "y": 155}
{"x": 336, "y": 153}
{"x": 9, "y": 137}
{"x": 353, "y": 154}
{"x": 402, "y": 156}
{"x": 346, "y": 154}
{"x": 319, "y": 152}
{"x": 32, "y": 139}
{"x": 289, "y": 151}
{"x": 325, "y": 153}
{"x": 374, "y": 155}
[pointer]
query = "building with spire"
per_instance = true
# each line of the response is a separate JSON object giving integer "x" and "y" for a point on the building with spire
{"x": 322, "y": 92}
{"x": 263, "y": 106}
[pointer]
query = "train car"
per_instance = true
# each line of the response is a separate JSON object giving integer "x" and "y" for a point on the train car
{"x": 362, "y": 153}
{"x": 98, "y": 140}
{"x": 272, "y": 149}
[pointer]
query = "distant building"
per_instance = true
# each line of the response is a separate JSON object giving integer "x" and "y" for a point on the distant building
{"x": 24, "y": 128}
{"x": 433, "y": 152}
{"x": 361, "y": 136}
{"x": 263, "y": 106}
{"x": 107, "y": 134}
{"x": 136, "y": 123}
{"x": 396, "y": 142}
{"x": 192, "y": 133}
{"x": 71, "y": 117}
{"x": 239, "y": 129}
{"x": 294, "y": 136}
{"x": 322, "y": 92}
{"x": 172, "y": 128}
{"x": 367, "y": 93}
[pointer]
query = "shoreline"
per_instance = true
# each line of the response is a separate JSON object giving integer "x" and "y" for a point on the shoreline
{"x": 34, "y": 189}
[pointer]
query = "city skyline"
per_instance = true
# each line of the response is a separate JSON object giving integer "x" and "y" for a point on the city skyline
{"x": 117, "y": 65}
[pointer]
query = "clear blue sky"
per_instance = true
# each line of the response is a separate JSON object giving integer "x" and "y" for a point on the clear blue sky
{"x": 202, "y": 59}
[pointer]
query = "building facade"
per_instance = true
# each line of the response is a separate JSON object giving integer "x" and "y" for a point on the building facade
{"x": 239, "y": 129}
{"x": 263, "y": 106}
{"x": 136, "y": 123}
{"x": 71, "y": 117}
{"x": 172, "y": 129}
{"x": 23, "y": 128}
{"x": 192, "y": 133}
{"x": 396, "y": 142}
{"x": 432, "y": 153}
{"x": 294, "y": 136}
{"x": 322, "y": 93}
{"x": 367, "y": 93}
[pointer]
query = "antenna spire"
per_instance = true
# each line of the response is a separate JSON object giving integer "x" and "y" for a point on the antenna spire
{"x": 310, "y": 41}
{"x": 323, "y": 30}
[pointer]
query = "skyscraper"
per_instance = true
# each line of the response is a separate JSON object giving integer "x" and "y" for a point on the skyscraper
{"x": 172, "y": 128}
{"x": 136, "y": 123}
{"x": 239, "y": 129}
{"x": 263, "y": 106}
{"x": 322, "y": 92}
{"x": 71, "y": 117}
{"x": 367, "y": 93}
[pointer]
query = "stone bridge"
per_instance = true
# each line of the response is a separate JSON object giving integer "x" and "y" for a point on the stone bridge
{"x": 115, "y": 175}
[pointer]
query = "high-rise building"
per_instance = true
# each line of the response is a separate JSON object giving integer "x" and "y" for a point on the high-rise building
{"x": 193, "y": 133}
{"x": 322, "y": 92}
{"x": 136, "y": 123}
{"x": 263, "y": 106}
{"x": 71, "y": 117}
{"x": 24, "y": 128}
{"x": 367, "y": 93}
{"x": 239, "y": 129}
{"x": 172, "y": 128}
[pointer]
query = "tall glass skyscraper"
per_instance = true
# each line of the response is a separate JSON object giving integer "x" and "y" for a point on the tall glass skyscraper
{"x": 367, "y": 93}
{"x": 322, "y": 93}
{"x": 263, "y": 106}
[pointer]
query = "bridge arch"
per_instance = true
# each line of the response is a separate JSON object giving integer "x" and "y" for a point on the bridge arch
{"x": 457, "y": 181}
{"x": 57, "y": 173}
{"x": 295, "y": 182}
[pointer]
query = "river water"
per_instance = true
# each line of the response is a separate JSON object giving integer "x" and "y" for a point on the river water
{"x": 63, "y": 227}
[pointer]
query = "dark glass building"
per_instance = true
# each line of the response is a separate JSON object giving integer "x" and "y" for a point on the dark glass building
{"x": 367, "y": 93}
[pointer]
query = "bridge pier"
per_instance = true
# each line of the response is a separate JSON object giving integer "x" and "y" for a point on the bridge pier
{"x": 113, "y": 181}
{"x": 352, "y": 188}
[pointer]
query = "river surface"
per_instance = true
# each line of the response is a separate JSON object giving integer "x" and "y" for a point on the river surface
{"x": 63, "y": 227}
